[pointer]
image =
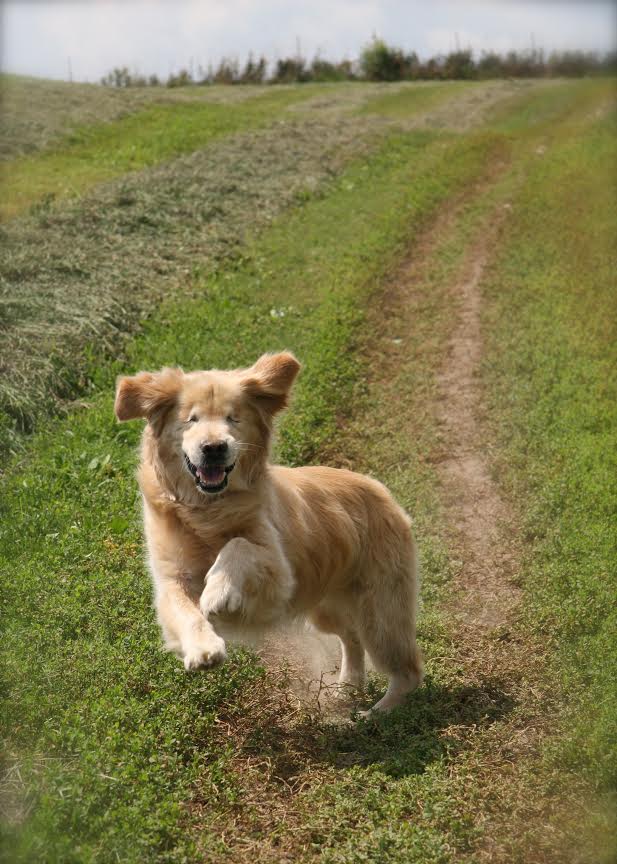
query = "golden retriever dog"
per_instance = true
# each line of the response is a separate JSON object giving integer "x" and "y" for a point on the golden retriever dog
{"x": 236, "y": 544}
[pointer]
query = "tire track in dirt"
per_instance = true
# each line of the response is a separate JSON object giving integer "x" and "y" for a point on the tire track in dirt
{"x": 475, "y": 507}
{"x": 476, "y": 511}
{"x": 519, "y": 819}
{"x": 481, "y": 520}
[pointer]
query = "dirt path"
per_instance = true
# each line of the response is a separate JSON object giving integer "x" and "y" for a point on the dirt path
{"x": 425, "y": 316}
{"x": 481, "y": 521}
{"x": 521, "y": 821}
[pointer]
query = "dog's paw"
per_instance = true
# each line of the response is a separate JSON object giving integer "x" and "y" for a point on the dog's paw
{"x": 369, "y": 714}
{"x": 205, "y": 655}
{"x": 220, "y": 597}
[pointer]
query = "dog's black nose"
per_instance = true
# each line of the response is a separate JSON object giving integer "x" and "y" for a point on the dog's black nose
{"x": 214, "y": 449}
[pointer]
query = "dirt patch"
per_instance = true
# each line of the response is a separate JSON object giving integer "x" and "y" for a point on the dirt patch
{"x": 526, "y": 809}
{"x": 481, "y": 524}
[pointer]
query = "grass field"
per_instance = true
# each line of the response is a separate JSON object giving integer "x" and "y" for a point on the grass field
{"x": 93, "y": 153}
{"x": 39, "y": 113}
{"x": 76, "y": 278}
{"x": 365, "y": 231}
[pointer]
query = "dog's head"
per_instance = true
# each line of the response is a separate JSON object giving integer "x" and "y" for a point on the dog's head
{"x": 207, "y": 424}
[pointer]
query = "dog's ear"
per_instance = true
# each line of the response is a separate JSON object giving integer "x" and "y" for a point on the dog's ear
{"x": 148, "y": 395}
{"x": 269, "y": 380}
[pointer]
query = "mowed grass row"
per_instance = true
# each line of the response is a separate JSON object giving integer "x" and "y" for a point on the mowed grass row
{"x": 105, "y": 735}
{"x": 98, "y": 152}
{"x": 550, "y": 374}
{"x": 38, "y": 113}
{"x": 76, "y": 280}
{"x": 93, "y": 153}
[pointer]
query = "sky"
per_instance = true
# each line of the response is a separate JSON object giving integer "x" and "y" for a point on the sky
{"x": 85, "y": 39}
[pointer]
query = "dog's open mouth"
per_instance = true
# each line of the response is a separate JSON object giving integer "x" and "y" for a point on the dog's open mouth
{"x": 210, "y": 477}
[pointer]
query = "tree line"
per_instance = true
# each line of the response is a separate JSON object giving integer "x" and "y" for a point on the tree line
{"x": 379, "y": 61}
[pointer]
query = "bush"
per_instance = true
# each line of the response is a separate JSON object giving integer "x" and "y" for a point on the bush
{"x": 490, "y": 65}
{"x": 380, "y": 62}
{"x": 460, "y": 64}
{"x": 291, "y": 70}
{"x": 182, "y": 79}
{"x": 121, "y": 77}
{"x": 324, "y": 70}
{"x": 254, "y": 71}
{"x": 572, "y": 63}
{"x": 227, "y": 72}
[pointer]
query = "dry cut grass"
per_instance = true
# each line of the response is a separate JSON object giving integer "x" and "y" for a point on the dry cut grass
{"x": 37, "y": 113}
{"x": 85, "y": 273}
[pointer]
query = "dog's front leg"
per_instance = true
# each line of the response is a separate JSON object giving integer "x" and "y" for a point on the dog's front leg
{"x": 185, "y": 630}
{"x": 248, "y": 581}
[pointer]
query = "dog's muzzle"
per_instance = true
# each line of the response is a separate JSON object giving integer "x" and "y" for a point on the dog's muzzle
{"x": 210, "y": 477}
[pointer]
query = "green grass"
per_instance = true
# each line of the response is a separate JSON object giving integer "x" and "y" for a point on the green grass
{"x": 113, "y": 752}
{"x": 109, "y": 734}
{"x": 549, "y": 103}
{"x": 77, "y": 278}
{"x": 94, "y": 153}
{"x": 37, "y": 113}
{"x": 412, "y": 98}
{"x": 550, "y": 375}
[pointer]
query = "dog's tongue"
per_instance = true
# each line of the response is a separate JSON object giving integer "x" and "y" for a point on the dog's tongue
{"x": 211, "y": 475}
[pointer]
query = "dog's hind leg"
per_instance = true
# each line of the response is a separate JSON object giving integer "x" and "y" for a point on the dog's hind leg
{"x": 387, "y": 628}
{"x": 401, "y": 662}
{"x": 400, "y": 685}
{"x": 352, "y": 671}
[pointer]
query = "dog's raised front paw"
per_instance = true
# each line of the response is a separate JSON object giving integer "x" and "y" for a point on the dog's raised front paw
{"x": 220, "y": 597}
{"x": 205, "y": 655}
